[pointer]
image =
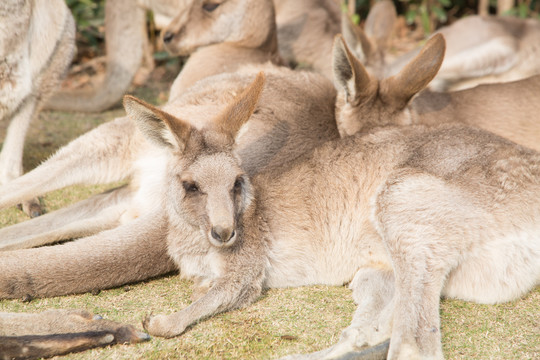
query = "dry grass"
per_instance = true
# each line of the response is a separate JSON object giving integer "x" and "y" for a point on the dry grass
{"x": 283, "y": 321}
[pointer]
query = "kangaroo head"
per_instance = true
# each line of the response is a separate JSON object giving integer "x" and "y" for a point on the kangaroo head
{"x": 206, "y": 185}
{"x": 364, "y": 101}
{"x": 198, "y": 23}
{"x": 370, "y": 45}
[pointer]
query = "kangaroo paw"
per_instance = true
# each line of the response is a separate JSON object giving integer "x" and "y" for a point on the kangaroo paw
{"x": 32, "y": 208}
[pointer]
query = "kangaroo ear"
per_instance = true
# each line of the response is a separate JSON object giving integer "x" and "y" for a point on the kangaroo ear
{"x": 350, "y": 76}
{"x": 240, "y": 110}
{"x": 380, "y": 23}
{"x": 159, "y": 127}
{"x": 418, "y": 73}
{"x": 356, "y": 39}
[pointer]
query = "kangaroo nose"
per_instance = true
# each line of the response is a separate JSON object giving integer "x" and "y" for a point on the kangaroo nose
{"x": 222, "y": 234}
{"x": 167, "y": 37}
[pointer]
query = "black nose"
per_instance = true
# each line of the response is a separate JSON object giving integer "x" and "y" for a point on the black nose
{"x": 221, "y": 234}
{"x": 167, "y": 37}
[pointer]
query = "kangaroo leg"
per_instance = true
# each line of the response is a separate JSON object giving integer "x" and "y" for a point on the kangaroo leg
{"x": 103, "y": 155}
{"x": 88, "y": 217}
{"x": 11, "y": 166}
{"x": 426, "y": 226}
{"x": 129, "y": 253}
{"x": 367, "y": 336}
{"x": 57, "y": 332}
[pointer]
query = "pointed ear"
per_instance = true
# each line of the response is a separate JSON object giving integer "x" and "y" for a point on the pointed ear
{"x": 159, "y": 127}
{"x": 418, "y": 73}
{"x": 350, "y": 76}
{"x": 240, "y": 110}
{"x": 355, "y": 38}
{"x": 380, "y": 23}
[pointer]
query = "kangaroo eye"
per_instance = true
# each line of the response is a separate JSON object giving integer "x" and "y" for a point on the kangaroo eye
{"x": 238, "y": 184}
{"x": 210, "y": 7}
{"x": 190, "y": 187}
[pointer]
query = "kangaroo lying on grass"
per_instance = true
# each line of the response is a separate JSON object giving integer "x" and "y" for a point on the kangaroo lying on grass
{"x": 409, "y": 213}
{"x": 480, "y": 49}
{"x": 510, "y": 110}
{"x": 295, "y": 114}
{"x": 31, "y": 67}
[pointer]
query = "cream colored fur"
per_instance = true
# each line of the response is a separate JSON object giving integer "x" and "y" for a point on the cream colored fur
{"x": 36, "y": 47}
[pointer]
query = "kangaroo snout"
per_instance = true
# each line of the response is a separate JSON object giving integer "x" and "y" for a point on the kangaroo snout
{"x": 223, "y": 235}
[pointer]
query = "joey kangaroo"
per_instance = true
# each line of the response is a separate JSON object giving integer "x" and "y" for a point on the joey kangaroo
{"x": 507, "y": 109}
{"x": 31, "y": 68}
{"x": 294, "y": 114}
{"x": 479, "y": 49}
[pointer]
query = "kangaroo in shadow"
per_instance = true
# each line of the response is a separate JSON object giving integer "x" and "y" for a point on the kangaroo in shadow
{"x": 507, "y": 109}
{"x": 31, "y": 68}
{"x": 406, "y": 213}
{"x": 480, "y": 49}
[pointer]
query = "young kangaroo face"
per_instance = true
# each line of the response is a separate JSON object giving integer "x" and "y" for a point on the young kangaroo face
{"x": 206, "y": 187}
{"x": 206, "y": 22}
{"x": 210, "y": 194}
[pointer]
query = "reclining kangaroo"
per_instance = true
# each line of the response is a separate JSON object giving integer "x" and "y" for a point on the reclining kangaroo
{"x": 31, "y": 67}
{"x": 480, "y": 49}
{"x": 305, "y": 31}
{"x": 507, "y": 109}
{"x": 295, "y": 113}
{"x": 409, "y": 213}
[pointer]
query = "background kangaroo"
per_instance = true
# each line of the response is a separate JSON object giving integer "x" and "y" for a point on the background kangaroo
{"x": 507, "y": 109}
{"x": 31, "y": 67}
{"x": 305, "y": 31}
{"x": 480, "y": 49}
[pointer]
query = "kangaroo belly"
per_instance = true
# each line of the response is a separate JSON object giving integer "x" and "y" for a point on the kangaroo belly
{"x": 502, "y": 269}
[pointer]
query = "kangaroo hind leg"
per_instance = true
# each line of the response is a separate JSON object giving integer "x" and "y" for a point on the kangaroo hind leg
{"x": 426, "y": 226}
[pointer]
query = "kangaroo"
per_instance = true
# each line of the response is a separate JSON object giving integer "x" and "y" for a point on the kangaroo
{"x": 480, "y": 49}
{"x": 294, "y": 114}
{"x": 221, "y": 38}
{"x": 507, "y": 109}
{"x": 305, "y": 33}
{"x": 31, "y": 68}
{"x": 125, "y": 41}
{"x": 407, "y": 213}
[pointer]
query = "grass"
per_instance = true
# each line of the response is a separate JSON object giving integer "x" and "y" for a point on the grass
{"x": 283, "y": 321}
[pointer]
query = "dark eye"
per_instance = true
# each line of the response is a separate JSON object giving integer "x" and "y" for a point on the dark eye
{"x": 238, "y": 184}
{"x": 210, "y": 7}
{"x": 190, "y": 187}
